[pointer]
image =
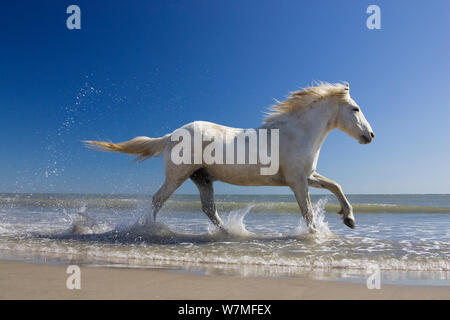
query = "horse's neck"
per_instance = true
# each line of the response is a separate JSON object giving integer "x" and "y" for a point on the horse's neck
{"x": 313, "y": 124}
{"x": 316, "y": 123}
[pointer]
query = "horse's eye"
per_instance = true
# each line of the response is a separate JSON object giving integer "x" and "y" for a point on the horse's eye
{"x": 356, "y": 109}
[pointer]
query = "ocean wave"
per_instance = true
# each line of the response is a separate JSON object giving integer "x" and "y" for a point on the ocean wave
{"x": 222, "y": 206}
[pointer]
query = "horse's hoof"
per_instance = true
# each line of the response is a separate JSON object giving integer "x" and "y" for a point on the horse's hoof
{"x": 349, "y": 223}
{"x": 313, "y": 229}
{"x": 223, "y": 230}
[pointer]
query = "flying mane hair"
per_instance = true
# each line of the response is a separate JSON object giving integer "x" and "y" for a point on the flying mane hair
{"x": 304, "y": 98}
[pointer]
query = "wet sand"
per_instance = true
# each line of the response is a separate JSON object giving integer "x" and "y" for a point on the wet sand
{"x": 34, "y": 281}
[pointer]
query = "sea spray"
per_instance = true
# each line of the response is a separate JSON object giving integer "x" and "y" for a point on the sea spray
{"x": 234, "y": 225}
{"x": 318, "y": 220}
{"x": 148, "y": 229}
{"x": 234, "y": 222}
{"x": 83, "y": 223}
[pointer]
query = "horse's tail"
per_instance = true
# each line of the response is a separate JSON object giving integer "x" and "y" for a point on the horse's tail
{"x": 143, "y": 147}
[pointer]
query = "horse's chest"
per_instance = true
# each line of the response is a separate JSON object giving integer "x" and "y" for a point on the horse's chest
{"x": 300, "y": 159}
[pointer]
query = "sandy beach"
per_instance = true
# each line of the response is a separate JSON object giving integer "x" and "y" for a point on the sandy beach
{"x": 34, "y": 281}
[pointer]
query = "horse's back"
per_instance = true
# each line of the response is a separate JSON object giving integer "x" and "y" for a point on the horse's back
{"x": 207, "y": 128}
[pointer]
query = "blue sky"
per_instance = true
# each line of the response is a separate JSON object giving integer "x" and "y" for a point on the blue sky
{"x": 148, "y": 67}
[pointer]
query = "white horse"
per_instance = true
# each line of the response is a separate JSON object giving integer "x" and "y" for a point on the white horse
{"x": 303, "y": 120}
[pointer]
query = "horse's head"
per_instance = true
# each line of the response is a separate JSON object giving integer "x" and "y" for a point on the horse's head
{"x": 351, "y": 120}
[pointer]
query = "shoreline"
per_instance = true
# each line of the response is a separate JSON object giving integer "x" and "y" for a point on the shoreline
{"x": 22, "y": 280}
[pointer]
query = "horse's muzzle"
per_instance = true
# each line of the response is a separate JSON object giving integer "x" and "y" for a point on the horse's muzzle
{"x": 365, "y": 139}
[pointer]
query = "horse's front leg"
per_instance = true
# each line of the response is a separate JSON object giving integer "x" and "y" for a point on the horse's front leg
{"x": 299, "y": 185}
{"x": 318, "y": 181}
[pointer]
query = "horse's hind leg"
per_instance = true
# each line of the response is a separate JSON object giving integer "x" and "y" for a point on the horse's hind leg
{"x": 204, "y": 184}
{"x": 174, "y": 179}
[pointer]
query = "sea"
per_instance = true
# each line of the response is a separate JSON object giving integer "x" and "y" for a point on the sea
{"x": 405, "y": 239}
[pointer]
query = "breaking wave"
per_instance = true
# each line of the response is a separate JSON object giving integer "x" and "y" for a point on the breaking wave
{"x": 193, "y": 206}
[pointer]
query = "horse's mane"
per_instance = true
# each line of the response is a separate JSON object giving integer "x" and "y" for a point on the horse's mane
{"x": 304, "y": 98}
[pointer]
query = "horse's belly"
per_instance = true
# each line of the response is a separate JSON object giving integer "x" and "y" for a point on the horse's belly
{"x": 245, "y": 175}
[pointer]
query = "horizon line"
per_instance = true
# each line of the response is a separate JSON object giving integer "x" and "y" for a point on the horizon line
{"x": 220, "y": 194}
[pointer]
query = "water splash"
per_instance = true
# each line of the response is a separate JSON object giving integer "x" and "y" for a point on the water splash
{"x": 146, "y": 228}
{"x": 234, "y": 222}
{"x": 82, "y": 223}
{"x": 57, "y": 153}
{"x": 318, "y": 220}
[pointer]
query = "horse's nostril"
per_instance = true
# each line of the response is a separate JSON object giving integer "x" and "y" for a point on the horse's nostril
{"x": 372, "y": 135}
